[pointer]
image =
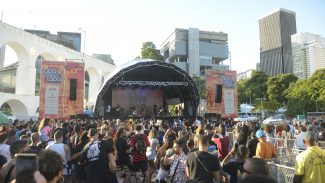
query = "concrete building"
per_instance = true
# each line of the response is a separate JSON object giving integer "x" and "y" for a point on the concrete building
{"x": 258, "y": 66}
{"x": 104, "y": 57}
{"x": 18, "y": 82}
{"x": 275, "y": 30}
{"x": 245, "y": 75}
{"x": 68, "y": 39}
{"x": 308, "y": 54}
{"x": 194, "y": 51}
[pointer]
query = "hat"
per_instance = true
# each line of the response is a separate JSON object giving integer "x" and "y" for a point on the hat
{"x": 309, "y": 136}
{"x": 92, "y": 132}
{"x": 260, "y": 133}
{"x": 212, "y": 150}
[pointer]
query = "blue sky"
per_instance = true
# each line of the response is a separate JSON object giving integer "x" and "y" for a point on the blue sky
{"x": 119, "y": 27}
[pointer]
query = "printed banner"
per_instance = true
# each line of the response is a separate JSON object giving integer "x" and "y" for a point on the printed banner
{"x": 228, "y": 107}
{"x": 55, "y": 89}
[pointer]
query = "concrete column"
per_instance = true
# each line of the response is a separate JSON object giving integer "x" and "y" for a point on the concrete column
{"x": 25, "y": 77}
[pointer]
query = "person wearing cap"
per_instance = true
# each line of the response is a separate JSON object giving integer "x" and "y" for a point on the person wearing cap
{"x": 310, "y": 164}
{"x": 98, "y": 158}
{"x": 264, "y": 150}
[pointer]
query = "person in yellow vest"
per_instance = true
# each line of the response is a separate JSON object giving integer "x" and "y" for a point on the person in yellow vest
{"x": 310, "y": 164}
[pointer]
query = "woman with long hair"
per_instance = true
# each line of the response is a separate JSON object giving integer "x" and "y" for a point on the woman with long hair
{"x": 80, "y": 174}
{"x": 152, "y": 151}
{"x": 123, "y": 160}
{"x": 165, "y": 150}
{"x": 44, "y": 129}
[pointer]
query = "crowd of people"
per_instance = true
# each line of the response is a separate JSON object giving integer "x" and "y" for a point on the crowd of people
{"x": 154, "y": 150}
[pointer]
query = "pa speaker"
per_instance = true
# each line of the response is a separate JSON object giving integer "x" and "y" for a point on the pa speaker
{"x": 73, "y": 89}
{"x": 218, "y": 95}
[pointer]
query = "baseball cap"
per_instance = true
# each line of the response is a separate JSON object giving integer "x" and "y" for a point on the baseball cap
{"x": 213, "y": 150}
{"x": 260, "y": 133}
{"x": 309, "y": 136}
{"x": 92, "y": 132}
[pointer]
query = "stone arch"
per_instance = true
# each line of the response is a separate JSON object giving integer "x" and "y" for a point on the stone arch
{"x": 94, "y": 83}
{"x": 20, "y": 50}
{"x": 43, "y": 56}
{"x": 17, "y": 107}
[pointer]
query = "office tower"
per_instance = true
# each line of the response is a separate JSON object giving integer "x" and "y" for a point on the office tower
{"x": 276, "y": 29}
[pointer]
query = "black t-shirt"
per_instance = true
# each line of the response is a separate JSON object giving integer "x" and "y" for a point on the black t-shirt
{"x": 251, "y": 145}
{"x": 95, "y": 154}
{"x": 80, "y": 169}
{"x": 122, "y": 147}
{"x": 197, "y": 171}
{"x": 232, "y": 169}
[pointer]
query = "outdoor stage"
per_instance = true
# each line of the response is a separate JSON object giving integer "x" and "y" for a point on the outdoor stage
{"x": 146, "y": 89}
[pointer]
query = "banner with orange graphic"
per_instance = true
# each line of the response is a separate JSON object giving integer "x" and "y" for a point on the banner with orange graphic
{"x": 226, "y": 82}
{"x": 55, "y": 100}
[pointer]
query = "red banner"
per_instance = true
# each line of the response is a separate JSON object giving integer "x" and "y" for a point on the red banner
{"x": 55, "y": 101}
{"x": 226, "y": 82}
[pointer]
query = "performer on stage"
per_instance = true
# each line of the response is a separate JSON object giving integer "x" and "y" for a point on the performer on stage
{"x": 108, "y": 111}
{"x": 143, "y": 110}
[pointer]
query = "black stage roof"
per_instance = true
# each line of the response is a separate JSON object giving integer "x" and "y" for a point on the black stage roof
{"x": 149, "y": 70}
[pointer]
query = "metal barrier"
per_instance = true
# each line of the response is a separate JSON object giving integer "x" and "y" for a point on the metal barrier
{"x": 281, "y": 173}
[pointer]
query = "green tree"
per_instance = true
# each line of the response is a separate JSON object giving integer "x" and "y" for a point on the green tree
{"x": 276, "y": 86}
{"x": 306, "y": 95}
{"x": 200, "y": 84}
{"x": 149, "y": 51}
{"x": 243, "y": 91}
{"x": 257, "y": 85}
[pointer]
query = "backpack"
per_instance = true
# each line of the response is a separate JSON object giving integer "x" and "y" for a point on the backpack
{"x": 140, "y": 144}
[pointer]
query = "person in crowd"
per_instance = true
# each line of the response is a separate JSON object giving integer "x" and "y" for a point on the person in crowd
{"x": 264, "y": 150}
{"x": 44, "y": 129}
{"x": 8, "y": 171}
{"x": 165, "y": 150}
{"x": 139, "y": 143}
{"x": 300, "y": 137}
{"x": 190, "y": 145}
{"x": 152, "y": 151}
{"x": 254, "y": 166}
{"x": 4, "y": 147}
{"x": 50, "y": 166}
{"x": 99, "y": 160}
{"x": 33, "y": 147}
{"x": 62, "y": 149}
{"x": 177, "y": 162}
{"x": 27, "y": 176}
{"x": 122, "y": 148}
{"x": 257, "y": 178}
{"x": 232, "y": 167}
{"x": 310, "y": 164}
{"x": 79, "y": 176}
{"x": 222, "y": 141}
{"x": 201, "y": 165}
{"x": 73, "y": 141}
{"x": 252, "y": 144}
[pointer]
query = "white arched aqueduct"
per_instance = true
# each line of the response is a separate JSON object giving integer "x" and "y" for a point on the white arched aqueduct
{"x": 28, "y": 48}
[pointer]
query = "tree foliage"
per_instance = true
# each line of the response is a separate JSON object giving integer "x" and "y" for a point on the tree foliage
{"x": 257, "y": 85}
{"x": 305, "y": 95}
{"x": 276, "y": 86}
{"x": 200, "y": 83}
{"x": 149, "y": 51}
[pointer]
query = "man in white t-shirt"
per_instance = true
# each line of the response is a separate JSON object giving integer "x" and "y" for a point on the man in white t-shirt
{"x": 300, "y": 138}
